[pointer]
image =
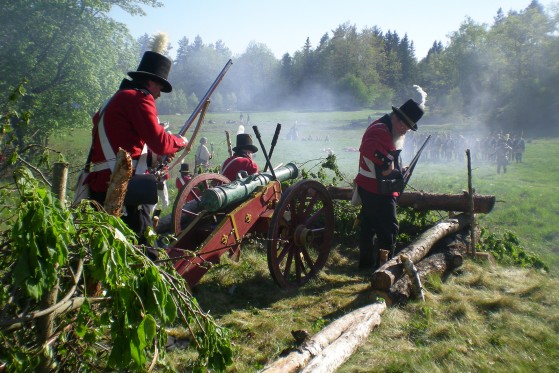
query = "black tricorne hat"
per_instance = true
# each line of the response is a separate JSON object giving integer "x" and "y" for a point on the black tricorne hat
{"x": 410, "y": 113}
{"x": 244, "y": 141}
{"x": 154, "y": 66}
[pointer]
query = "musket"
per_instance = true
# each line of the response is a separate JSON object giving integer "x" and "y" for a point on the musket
{"x": 409, "y": 170}
{"x": 188, "y": 147}
{"x": 200, "y": 109}
{"x": 206, "y": 97}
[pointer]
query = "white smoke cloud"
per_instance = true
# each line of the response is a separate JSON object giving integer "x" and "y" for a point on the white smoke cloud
{"x": 423, "y": 96}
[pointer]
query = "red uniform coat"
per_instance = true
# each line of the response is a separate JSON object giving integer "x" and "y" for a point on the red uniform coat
{"x": 377, "y": 138}
{"x": 235, "y": 164}
{"x": 130, "y": 121}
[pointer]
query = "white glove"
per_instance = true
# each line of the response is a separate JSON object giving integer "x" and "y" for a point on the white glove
{"x": 184, "y": 139}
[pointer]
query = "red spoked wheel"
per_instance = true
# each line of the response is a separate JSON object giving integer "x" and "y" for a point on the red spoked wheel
{"x": 187, "y": 204}
{"x": 300, "y": 233}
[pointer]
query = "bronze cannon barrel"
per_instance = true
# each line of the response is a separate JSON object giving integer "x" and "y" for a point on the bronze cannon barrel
{"x": 219, "y": 197}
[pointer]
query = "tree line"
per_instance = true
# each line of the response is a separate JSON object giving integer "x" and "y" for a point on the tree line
{"x": 62, "y": 59}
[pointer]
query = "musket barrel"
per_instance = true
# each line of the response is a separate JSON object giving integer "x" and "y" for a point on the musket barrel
{"x": 219, "y": 197}
{"x": 198, "y": 108}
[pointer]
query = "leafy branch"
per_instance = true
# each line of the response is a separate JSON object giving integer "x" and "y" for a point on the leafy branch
{"x": 80, "y": 251}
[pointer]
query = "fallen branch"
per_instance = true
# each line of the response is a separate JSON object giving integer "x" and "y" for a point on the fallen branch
{"x": 413, "y": 276}
{"x": 297, "y": 360}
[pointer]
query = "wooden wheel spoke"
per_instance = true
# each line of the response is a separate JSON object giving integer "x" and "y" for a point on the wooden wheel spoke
{"x": 294, "y": 208}
{"x": 298, "y": 266}
{"x": 314, "y": 217}
{"x": 307, "y": 258}
{"x": 189, "y": 213}
{"x": 283, "y": 252}
{"x": 311, "y": 203}
{"x": 288, "y": 264}
{"x": 196, "y": 196}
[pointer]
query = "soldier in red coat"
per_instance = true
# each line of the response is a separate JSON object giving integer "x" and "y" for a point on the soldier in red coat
{"x": 241, "y": 160}
{"x": 184, "y": 177}
{"x": 128, "y": 120}
{"x": 380, "y": 180}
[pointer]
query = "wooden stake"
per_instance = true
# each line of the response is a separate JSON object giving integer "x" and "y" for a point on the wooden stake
{"x": 45, "y": 324}
{"x": 471, "y": 211}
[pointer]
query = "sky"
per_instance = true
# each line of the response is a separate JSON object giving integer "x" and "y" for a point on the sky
{"x": 284, "y": 26}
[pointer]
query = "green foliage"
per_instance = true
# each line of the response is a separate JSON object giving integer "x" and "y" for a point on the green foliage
{"x": 11, "y": 119}
{"x": 508, "y": 250}
{"x": 72, "y": 56}
{"x": 42, "y": 233}
{"x": 46, "y": 245}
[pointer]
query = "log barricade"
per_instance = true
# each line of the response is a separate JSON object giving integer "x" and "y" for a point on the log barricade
{"x": 384, "y": 277}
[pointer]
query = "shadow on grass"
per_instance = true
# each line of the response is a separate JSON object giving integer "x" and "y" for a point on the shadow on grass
{"x": 257, "y": 289}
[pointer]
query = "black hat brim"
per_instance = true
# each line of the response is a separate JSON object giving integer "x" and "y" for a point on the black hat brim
{"x": 167, "y": 87}
{"x": 404, "y": 117}
{"x": 252, "y": 148}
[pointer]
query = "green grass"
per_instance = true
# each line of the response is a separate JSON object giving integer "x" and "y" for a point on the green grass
{"x": 482, "y": 318}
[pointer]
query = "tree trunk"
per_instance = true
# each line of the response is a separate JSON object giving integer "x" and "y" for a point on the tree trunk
{"x": 483, "y": 204}
{"x": 296, "y": 360}
{"x": 384, "y": 277}
{"x": 118, "y": 183}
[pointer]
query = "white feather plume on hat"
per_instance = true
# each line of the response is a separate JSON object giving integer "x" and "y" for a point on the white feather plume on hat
{"x": 159, "y": 43}
{"x": 423, "y": 96}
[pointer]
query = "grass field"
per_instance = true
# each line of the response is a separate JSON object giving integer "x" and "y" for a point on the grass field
{"x": 482, "y": 318}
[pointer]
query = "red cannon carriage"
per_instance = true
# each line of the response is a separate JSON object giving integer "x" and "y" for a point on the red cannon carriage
{"x": 212, "y": 216}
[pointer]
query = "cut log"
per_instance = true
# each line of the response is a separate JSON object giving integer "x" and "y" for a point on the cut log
{"x": 297, "y": 360}
{"x": 333, "y": 356}
{"x": 384, "y": 277}
{"x": 440, "y": 263}
{"x": 483, "y": 204}
{"x": 118, "y": 183}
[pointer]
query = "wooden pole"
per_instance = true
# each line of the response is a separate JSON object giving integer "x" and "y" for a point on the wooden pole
{"x": 471, "y": 210}
{"x": 45, "y": 324}
{"x": 60, "y": 179}
{"x": 229, "y": 147}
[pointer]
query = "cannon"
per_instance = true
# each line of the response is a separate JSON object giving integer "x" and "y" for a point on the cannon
{"x": 211, "y": 217}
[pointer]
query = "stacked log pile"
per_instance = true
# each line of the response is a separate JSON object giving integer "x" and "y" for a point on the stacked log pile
{"x": 391, "y": 281}
{"x": 439, "y": 250}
